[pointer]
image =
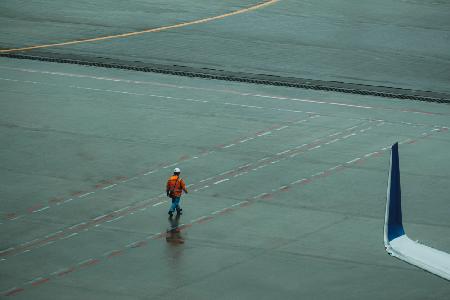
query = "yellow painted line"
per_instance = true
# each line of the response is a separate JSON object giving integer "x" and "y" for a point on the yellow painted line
{"x": 240, "y": 11}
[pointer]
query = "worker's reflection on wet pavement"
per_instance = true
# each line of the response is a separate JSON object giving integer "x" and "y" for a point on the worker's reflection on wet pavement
{"x": 173, "y": 235}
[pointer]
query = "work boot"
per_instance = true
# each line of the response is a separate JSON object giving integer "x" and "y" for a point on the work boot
{"x": 179, "y": 211}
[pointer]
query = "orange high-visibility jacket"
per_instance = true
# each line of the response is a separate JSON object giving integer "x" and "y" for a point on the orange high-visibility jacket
{"x": 175, "y": 185}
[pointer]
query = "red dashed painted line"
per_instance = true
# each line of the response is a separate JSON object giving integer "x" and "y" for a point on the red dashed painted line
{"x": 39, "y": 281}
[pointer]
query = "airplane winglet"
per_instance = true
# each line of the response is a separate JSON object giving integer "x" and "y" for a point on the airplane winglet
{"x": 393, "y": 219}
{"x": 396, "y": 242}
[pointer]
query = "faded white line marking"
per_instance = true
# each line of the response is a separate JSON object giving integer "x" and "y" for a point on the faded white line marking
{"x": 69, "y": 236}
{"x": 299, "y": 181}
{"x": 316, "y": 147}
{"x": 283, "y": 152}
{"x": 331, "y": 142}
{"x": 334, "y": 168}
{"x": 203, "y": 180}
{"x": 85, "y": 261}
{"x": 281, "y": 128}
{"x": 72, "y": 227}
{"x": 301, "y": 146}
{"x": 334, "y": 134}
{"x": 159, "y": 203}
{"x": 39, "y": 210}
{"x": 115, "y": 219}
{"x": 122, "y": 209}
{"x": 348, "y": 135}
{"x": 85, "y": 195}
{"x": 202, "y": 188}
{"x": 198, "y": 219}
{"x": 246, "y": 140}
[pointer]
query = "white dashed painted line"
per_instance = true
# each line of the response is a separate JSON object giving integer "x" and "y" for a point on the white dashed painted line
{"x": 169, "y": 166}
{"x": 68, "y": 200}
{"x": 202, "y": 188}
{"x": 122, "y": 209}
{"x": 42, "y": 209}
{"x": 281, "y": 128}
{"x": 225, "y": 173}
{"x": 331, "y": 142}
{"x": 220, "y": 181}
{"x": 246, "y": 140}
{"x": 159, "y": 203}
{"x": 6, "y": 250}
{"x": 260, "y": 195}
{"x": 85, "y": 261}
{"x": 74, "y": 226}
{"x": 69, "y": 236}
{"x": 263, "y": 159}
{"x": 46, "y": 244}
{"x": 203, "y": 180}
{"x": 301, "y": 146}
{"x": 240, "y": 174}
{"x": 316, "y": 147}
{"x": 283, "y": 152}
{"x": 335, "y": 167}
{"x": 299, "y": 181}
{"x": 115, "y": 219}
{"x": 353, "y": 160}
{"x": 85, "y": 195}
{"x": 110, "y": 186}
{"x": 229, "y": 146}
{"x": 348, "y": 135}
{"x": 264, "y": 133}
{"x": 370, "y": 154}
{"x": 334, "y": 134}
{"x": 99, "y": 217}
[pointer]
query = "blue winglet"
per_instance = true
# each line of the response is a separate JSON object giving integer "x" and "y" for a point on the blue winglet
{"x": 394, "y": 209}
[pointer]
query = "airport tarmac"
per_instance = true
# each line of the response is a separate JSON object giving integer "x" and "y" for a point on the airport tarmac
{"x": 287, "y": 187}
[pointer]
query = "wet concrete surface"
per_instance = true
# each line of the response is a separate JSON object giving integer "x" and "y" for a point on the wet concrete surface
{"x": 287, "y": 186}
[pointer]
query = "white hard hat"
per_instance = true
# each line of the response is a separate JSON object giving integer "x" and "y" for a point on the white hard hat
{"x": 176, "y": 170}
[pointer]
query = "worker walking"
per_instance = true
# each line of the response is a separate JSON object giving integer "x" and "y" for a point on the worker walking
{"x": 174, "y": 188}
